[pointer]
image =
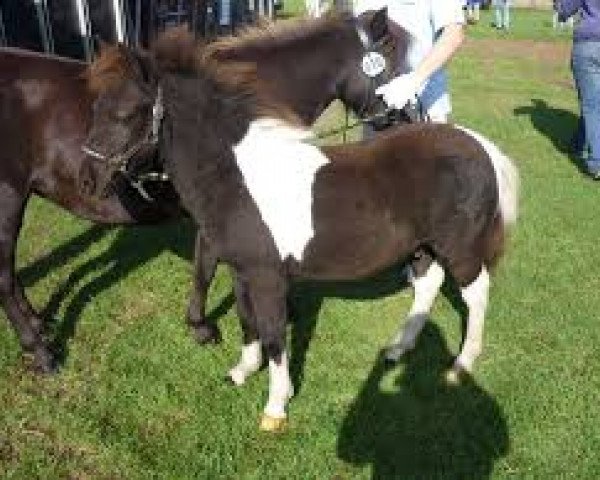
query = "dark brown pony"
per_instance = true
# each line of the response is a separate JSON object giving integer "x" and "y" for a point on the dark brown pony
{"x": 276, "y": 208}
{"x": 46, "y": 105}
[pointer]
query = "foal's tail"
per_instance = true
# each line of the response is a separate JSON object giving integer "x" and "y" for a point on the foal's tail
{"x": 507, "y": 178}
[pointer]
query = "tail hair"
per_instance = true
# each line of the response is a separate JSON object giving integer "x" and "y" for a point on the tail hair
{"x": 507, "y": 178}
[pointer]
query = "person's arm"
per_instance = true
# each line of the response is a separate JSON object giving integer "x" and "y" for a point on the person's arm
{"x": 443, "y": 49}
{"x": 401, "y": 89}
{"x": 566, "y": 8}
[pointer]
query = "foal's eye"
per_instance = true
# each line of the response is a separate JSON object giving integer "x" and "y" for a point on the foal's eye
{"x": 123, "y": 115}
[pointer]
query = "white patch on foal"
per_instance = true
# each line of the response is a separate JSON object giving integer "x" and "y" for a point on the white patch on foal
{"x": 279, "y": 170}
{"x": 426, "y": 288}
{"x": 475, "y": 296}
{"x": 280, "y": 388}
{"x": 249, "y": 363}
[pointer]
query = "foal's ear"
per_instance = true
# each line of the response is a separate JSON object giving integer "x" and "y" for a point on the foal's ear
{"x": 146, "y": 66}
{"x": 379, "y": 24}
{"x": 99, "y": 45}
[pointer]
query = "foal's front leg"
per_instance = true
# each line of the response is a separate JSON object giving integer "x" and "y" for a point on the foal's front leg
{"x": 251, "y": 358}
{"x": 267, "y": 288}
{"x": 205, "y": 263}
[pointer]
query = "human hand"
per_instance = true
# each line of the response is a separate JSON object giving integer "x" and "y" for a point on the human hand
{"x": 397, "y": 92}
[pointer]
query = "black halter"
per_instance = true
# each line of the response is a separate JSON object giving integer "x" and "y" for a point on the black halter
{"x": 373, "y": 66}
{"x": 120, "y": 161}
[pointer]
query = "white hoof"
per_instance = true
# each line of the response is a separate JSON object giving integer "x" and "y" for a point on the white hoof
{"x": 455, "y": 375}
{"x": 237, "y": 376}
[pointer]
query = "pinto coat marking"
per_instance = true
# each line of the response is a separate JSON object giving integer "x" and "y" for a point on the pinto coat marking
{"x": 279, "y": 170}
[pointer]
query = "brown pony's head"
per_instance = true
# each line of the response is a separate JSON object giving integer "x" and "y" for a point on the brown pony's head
{"x": 125, "y": 84}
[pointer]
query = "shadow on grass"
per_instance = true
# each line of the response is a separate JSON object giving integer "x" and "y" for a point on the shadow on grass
{"x": 557, "y": 124}
{"x": 305, "y": 301}
{"x": 420, "y": 426}
{"x": 133, "y": 247}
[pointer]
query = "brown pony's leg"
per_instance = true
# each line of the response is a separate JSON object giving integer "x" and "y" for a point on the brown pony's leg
{"x": 205, "y": 263}
{"x": 18, "y": 310}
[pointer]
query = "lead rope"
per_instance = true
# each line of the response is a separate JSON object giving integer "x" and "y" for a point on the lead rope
{"x": 346, "y": 121}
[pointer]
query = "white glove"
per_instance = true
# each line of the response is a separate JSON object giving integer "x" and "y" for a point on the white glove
{"x": 398, "y": 91}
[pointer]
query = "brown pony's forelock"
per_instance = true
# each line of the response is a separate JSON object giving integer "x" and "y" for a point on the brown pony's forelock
{"x": 110, "y": 68}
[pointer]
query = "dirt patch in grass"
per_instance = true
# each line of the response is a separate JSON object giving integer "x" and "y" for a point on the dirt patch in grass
{"x": 545, "y": 60}
{"x": 537, "y": 51}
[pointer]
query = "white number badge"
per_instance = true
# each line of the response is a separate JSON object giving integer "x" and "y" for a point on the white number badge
{"x": 373, "y": 64}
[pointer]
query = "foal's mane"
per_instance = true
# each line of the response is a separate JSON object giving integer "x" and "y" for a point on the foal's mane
{"x": 269, "y": 34}
{"x": 177, "y": 51}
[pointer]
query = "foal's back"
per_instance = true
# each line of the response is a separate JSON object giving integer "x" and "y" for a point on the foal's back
{"x": 379, "y": 200}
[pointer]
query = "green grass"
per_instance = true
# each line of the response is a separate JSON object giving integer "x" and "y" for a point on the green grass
{"x": 137, "y": 399}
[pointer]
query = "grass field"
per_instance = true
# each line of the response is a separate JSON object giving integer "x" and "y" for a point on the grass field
{"x": 136, "y": 398}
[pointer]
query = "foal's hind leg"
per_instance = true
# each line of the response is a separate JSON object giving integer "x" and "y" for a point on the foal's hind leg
{"x": 205, "y": 263}
{"x": 17, "y": 308}
{"x": 251, "y": 358}
{"x": 426, "y": 286}
{"x": 475, "y": 296}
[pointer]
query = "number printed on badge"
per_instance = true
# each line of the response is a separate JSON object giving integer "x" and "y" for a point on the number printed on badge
{"x": 373, "y": 64}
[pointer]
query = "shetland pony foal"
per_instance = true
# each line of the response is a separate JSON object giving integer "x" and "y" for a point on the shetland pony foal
{"x": 274, "y": 208}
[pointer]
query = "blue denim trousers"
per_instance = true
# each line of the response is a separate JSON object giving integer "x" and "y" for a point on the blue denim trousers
{"x": 585, "y": 63}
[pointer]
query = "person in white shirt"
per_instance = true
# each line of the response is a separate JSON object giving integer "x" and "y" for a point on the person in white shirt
{"x": 437, "y": 31}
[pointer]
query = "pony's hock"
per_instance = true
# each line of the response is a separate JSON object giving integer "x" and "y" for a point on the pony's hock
{"x": 337, "y": 213}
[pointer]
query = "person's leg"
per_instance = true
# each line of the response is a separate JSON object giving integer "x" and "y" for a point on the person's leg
{"x": 506, "y": 9}
{"x": 498, "y": 13}
{"x": 586, "y": 70}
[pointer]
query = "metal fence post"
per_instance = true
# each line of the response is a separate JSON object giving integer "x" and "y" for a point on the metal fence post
{"x": 2, "y": 31}
{"x": 118, "y": 15}
{"x": 83, "y": 18}
{"x": 41, "y": 11}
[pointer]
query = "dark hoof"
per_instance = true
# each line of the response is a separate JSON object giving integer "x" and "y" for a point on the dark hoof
{"x": 38, "y": 324}
{"x": 206, "y": 333}
{"x": 389, "y": 362}
{"x": 229, "y": 381}
{"x": 41, "y": 361}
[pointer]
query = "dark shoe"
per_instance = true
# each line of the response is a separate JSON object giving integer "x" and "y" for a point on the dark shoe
{"x": 593, "y": 170}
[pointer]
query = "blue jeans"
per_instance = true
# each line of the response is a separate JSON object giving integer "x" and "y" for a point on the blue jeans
{"x": 585, "y": 63}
